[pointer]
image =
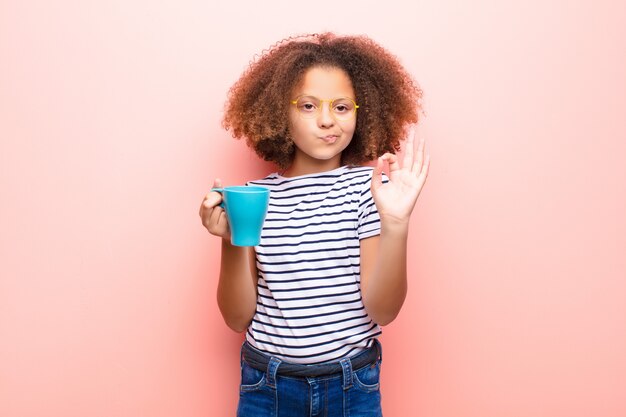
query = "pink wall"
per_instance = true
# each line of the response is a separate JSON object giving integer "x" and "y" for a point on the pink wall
{"x": 110, "y": 136}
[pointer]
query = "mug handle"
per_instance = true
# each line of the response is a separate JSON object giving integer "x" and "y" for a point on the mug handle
{"x": 221, "y": 191}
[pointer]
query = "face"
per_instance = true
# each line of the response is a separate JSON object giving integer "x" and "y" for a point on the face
{"x": 322, "y": 133}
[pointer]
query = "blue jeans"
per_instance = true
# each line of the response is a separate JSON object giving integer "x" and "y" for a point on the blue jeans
{"x": 351, "y": 393}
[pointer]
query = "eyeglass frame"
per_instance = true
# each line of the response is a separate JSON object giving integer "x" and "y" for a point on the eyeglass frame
{"x": 330, "y": 102}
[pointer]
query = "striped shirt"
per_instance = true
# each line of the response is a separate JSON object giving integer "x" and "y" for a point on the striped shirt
{"x": 309, "y": 305}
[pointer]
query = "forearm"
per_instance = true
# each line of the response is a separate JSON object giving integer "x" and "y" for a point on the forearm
{"x": 236, "y": 291}
{"x": 387, "y": 285}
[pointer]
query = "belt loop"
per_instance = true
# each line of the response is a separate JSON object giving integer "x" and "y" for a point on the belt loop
{"x": 346, "y": 367}
{"x": 380, "y": 349}
{"x": 272, "y": 368}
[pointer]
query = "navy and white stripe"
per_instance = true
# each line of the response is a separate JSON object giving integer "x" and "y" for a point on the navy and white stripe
{"x": 309, "y": 306}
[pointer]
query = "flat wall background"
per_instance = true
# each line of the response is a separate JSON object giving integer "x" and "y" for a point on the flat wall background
{"x": 110, "y": 136}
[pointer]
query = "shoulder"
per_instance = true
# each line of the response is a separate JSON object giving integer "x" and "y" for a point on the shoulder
{"x": 361, "y": 177}
{"x": 271, "y": 179}
{"x": 357, "y": 169}
{"x": 358, "y": 174}
{"x": 348, "y": 175}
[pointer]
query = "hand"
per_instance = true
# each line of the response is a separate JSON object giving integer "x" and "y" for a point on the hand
{"x": 212, "y": 215}
{"x": 396, "y": 199}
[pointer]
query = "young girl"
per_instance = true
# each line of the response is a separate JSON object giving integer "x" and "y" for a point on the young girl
{"x": 331, "y": 265}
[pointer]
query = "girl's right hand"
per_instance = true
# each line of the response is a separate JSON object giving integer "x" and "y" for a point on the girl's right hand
{"x": 212, "y": 215}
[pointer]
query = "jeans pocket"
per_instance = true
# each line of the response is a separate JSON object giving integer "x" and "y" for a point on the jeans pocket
{"x": 256, "y": 398}
{"x": 251, "y": 379}
{"x": 364, "y": 398}
{"x": 367, "y": 379}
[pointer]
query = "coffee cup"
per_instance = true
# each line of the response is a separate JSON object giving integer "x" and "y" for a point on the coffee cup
{"x": 246, "y": 208}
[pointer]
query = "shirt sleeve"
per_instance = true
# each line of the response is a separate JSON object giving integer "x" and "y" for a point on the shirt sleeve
{"x": 369, "y": 220}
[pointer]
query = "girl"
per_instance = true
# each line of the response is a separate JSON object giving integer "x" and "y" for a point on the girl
{"x": 331, "y": 265}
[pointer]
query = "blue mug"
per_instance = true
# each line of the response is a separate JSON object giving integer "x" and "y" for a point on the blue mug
{"x": 246, "y": 208}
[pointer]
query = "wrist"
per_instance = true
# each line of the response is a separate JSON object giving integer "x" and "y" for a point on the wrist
{"x": 228, "y": 246}
{"x": 394, "y": 226}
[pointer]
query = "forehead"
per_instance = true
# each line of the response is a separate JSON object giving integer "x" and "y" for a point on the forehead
{"x": 325, "y": 82}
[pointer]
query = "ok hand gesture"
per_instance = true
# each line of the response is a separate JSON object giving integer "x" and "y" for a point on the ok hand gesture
{"x": 396, "y": 199}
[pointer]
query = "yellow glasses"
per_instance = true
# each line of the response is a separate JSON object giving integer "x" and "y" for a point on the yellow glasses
{"x": 342, "y": 108}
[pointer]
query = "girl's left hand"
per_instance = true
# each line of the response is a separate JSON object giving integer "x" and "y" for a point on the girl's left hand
{"x": 396, "y": 199}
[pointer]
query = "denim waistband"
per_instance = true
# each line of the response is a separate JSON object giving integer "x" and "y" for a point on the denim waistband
{"x": 259, "y": 360}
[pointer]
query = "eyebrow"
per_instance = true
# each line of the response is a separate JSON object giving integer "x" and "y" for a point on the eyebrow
{"x": 313, "y": 95}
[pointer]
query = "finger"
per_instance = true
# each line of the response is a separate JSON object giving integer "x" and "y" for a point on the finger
{"x": 222, "y": 220}
{"x": 424, "y": 172}
{"x": 206, "y": 204}
{"x": 392, "y": 159}
{"x": 377, "y": 175}
{"x": 417, "y": 164}
{"x": 214, "y": 217}
{"x": 409, "y": 148}
{"x": 426, "y": 167}
{"x": 212, "y": 199}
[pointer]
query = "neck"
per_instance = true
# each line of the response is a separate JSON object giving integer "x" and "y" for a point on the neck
{"x": 304, "y": 166}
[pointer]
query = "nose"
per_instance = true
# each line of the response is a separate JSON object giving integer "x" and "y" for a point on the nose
{"x": 325, "y": 117}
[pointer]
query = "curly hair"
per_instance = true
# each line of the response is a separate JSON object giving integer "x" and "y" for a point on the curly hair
{"x": 258, "y": 103}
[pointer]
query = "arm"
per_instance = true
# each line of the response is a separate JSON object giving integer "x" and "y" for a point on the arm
{"x": 383, "y": 273}
{"x": 236, "y": 290}
{"x": 384, "y": 257}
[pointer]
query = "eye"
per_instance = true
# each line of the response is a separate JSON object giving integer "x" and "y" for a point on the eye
{"x": 343, "y": 106}
{"x": 307, "y": 106}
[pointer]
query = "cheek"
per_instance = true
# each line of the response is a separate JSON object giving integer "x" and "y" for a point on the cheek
{"x": 299, "y": 130}
{"x": 294, "y": 125}
{"x": 349, "y": 127}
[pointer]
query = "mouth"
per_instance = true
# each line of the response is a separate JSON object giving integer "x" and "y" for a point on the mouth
{"x": 330, "y": 139}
